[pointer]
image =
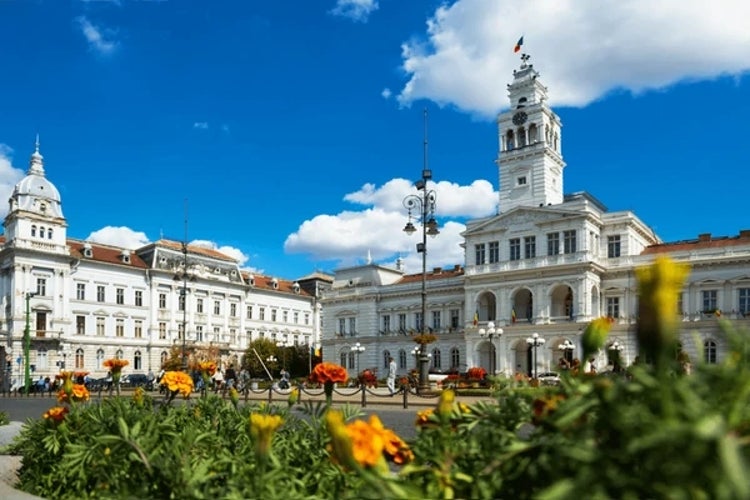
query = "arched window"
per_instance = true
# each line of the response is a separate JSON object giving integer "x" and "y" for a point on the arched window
{"x": 137, "y": 363}
{"x": 49, "y": 233}
{"x": 709, "y": 351}
{"x": 164, "y": 356}
{"x": 79, "y": 359}
{"x": 402, "y": 359}
{"x": 33, "y": 231}
{"x": 509, "y": 140}
{"x": 342, "y": 359}
{"x": 521, "y": 137}
{"x": 436, "y": 364}
{"x": 386, "y": 358}
{"x": 118, "y": 354}
{"x": 455, "y": 358}
{"x": 351, "y": 360}
{"x": 99, "y": 358}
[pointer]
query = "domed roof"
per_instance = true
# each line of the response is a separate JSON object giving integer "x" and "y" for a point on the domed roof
{"x": 35, "y": 193}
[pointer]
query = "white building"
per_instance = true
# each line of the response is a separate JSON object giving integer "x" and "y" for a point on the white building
{"x": 548, "y": 263}
{"x": 86, "y": 302}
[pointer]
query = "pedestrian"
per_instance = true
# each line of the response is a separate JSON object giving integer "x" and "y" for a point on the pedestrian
{"x": 392, "y": 368}
{"x": 230, "y": 377}
{"x": 218, "y": 379}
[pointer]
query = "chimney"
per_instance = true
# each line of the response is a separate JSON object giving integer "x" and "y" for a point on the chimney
{"x": 704, "y": 237}
{"x": 437, "y": 270}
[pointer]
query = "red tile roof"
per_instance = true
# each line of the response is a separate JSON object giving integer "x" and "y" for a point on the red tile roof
{"x": 435, "y": 274}
{"x": 266, "y": 283}
{"x": 103, "y": 253}
{"x": 703, "y": 242}
{"x": 195, "y": 249}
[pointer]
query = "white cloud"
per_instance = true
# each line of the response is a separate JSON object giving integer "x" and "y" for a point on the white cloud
{"x": 99, "y": 39}
{"x": 122, "y": 237}
{"x": 232, "y": 252}
{"x": 200, "y": 125}
{"x": 584, "y": 49}
{"x": 386, "y": 93}
{"x": 356, "y": 10}
{"x": 9, "y": 177}
{"x": 347, "y": 237}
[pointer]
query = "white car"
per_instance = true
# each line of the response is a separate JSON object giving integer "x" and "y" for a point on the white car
{"x": 549, "y": 378}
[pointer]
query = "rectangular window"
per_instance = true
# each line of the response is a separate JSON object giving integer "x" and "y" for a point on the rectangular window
{"x": 529, "y": 247}
{"x": 515, "y": 248}
{"x": 307, "y": 318}
{"x": 342, "y": 326}
{"x": 41, "y": 287}
{"x": 744, "y": 305}
{"x": 285, "y": 316}
{"x": 352, "y": 326}
{"x": 418, "y": 321}
{"x": 162, "y": 301}
{"x": 402, "y": 323}
{"x": 479, "y": 254}
{"x": 80, "y": 325}
{"x": 249, "y": 312}
{"x": 436, "y": 317}
{"x": 709, "y": 301}
{"x": 613, "y": 307}
{"x": 180, "y": 331}
{"x": 613, "y": 246}
{"x": 273, "y": 314}
{"x": 120, "y": 327}
{"x": 138, "y": 298}
{"x": 232, "y": 336}
{"x": 120, "y": 295}
{"x": 80, "y": 291}
{"x": 262, "y": 314}
{"x": 100, "y": 293}
{"x": 569, "y": 241}
{"x": 233, "y": 310}
{"x": 199, "y": 306}
{"x": 162, "y": 331}
{"x": 217, "y": 307}
{"x": 296, "y": 318}
{"x": 386, "y": 323}
{"x": 181, "y": 300}
{"x": 455, "y": 315}
{"x": 494, "y": 248}
{"x": 199, "y": 333}
{"x": 100, "y": 326}
{"x": 553, "y": 243}
{"x": 138, "y": 329}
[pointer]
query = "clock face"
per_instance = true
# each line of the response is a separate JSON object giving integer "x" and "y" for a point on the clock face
{"x": 519, "y": 118}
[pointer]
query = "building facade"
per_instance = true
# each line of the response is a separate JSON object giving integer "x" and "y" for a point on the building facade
{"x": 83, "y": 303}
{"x": 547, "y": 264}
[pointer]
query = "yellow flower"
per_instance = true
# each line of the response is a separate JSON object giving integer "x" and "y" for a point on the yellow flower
{"x": 445, "y": 403}
{"x": 341, "y": 443}
{"x": 178, "y": 382}
{"x": 262, "y": 428}
{"x": 138, "y": 396}
{"x": 234, "y": 396}
{"x": 293, "y": 396}
{"x": 659, "y": 286}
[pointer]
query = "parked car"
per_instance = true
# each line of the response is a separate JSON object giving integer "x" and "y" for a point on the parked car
{"x": 96, "y": 384}
{"x": 137, "y": 380}
{"x": 549, "y": 378}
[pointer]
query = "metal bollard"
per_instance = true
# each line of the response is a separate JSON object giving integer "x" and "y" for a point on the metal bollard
{"x": 364, "y": 400}
{"x": 406, "y": 397}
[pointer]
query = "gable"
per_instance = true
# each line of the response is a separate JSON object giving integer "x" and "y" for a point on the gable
{"x": 522, "y": 219}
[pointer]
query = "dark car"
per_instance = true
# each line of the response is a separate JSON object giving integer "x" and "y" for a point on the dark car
{"x": 137, "y": 380}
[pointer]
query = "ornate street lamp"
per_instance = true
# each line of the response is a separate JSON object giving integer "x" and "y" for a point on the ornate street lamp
{"x": 358, "y": 349}
{"x": 27, "y": 346}
{"x": 490, "y": 332}
{"x": 535, "y": 342}
{"x": 567, "y": 348}
{"x": 423, "y": 207}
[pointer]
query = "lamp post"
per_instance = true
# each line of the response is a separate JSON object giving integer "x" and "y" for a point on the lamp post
{"x": 535, "y": 342}
{"x": 423, "y": 204}
{"x": 183, "y": 294}
{"x": 490, "y": 332}
{"x": 359, "y": 349}
{"x": 567, "y": 348}
{"x": 616, "y": 348}
{"x": 27, "y": 346}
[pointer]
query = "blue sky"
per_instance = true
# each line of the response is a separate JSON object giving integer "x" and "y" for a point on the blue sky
{"x": 294, "y": 128}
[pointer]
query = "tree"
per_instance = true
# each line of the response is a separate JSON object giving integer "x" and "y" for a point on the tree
{"x": 264, "y": 348}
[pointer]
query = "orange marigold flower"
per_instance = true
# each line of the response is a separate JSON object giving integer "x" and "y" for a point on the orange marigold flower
{"x": 208, "y": 367}
{"x": 394, "y": 447}
{"x": 546, "y": 406}
{"x": 62, "y": 396}
{"x": 424, "y": 417}
{"x": 328, "y": 372}
{"x": 178, "y": 381}
{"x": 116, "y": 364}
{"x": 56, "y": 413}
{"x": 79, "y": 393}
{"x": 367, "y": 442}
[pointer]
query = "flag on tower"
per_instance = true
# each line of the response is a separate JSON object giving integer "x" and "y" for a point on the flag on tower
{"x": 476, "y": 318}
{"x": 513, "y": 315}
{"x": 518, "y": 45}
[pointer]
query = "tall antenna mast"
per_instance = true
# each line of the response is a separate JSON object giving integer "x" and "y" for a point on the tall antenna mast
{"x": 425, "y": 167}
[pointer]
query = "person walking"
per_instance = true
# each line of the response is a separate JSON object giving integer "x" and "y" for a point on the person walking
{"x": 392, "y": 375}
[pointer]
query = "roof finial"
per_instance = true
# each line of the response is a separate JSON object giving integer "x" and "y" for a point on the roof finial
{"x": 36, "y": 166}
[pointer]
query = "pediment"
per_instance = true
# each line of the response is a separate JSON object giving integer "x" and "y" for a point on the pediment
{"x": 520, "y": 217}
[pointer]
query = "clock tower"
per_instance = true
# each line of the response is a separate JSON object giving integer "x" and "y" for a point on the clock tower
{"x": 530, "y": 162}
